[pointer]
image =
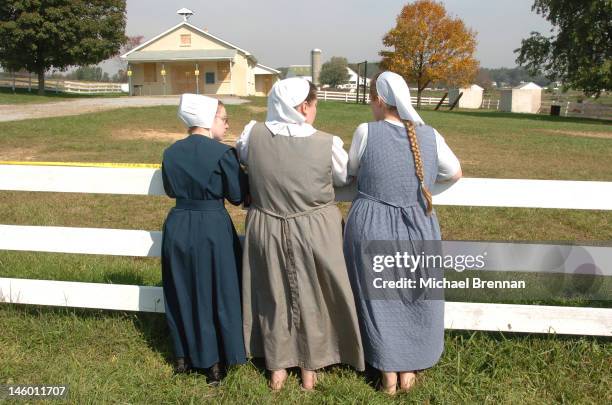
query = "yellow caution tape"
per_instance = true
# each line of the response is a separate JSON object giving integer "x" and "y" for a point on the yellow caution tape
{"x": 86, "y": 164}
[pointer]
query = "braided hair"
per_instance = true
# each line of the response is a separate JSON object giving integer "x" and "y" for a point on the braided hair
{"x": 414, "y": 148}
{"x": 418, "y": 162}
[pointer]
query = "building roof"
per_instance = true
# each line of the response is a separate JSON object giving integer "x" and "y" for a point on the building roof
{"x": 529, "y": 86}
{"x": 190, "y": 54}
{"x": 193, "y": 27}
{"x": 265, "y": 70}
{"x": 471, "y": 87}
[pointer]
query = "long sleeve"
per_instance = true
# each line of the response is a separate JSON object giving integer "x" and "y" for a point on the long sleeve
{"x": 339, "y": 162}
{"x": 235, "y": 182}
{"x": 358, "y": 146}
{"x": 166, "y": 182}
{"x": 242, "y": 144}
{"x": 448, "y": 163}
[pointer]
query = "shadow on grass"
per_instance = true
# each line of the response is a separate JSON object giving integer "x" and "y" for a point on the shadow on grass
{"x": 154, "y": 330}
{"x": 127, "y": 278}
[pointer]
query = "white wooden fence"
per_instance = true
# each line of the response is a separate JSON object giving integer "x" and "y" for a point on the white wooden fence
{"x": 568, "y": 109}
{"x": 141, "y": 181}
{"x": 349, "y": 97}
{"x": 490, "y": 104}
{"x": 30, "y": 82}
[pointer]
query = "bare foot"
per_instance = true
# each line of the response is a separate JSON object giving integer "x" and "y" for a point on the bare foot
{"x": 309, "y": 379}
{"x": 407, "y": 380}
{"x": 277, "y": 379}
{"x": 389, "y": 383}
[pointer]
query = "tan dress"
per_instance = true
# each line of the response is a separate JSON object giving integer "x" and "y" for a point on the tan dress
{"x": 299, "y": 310}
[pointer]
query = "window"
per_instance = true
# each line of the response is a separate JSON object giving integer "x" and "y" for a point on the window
{"x": 210, "y": 78}
{"x": 150, "y": 72}
{"x": 223, "y": 69}
{"x": 185, "y": 39}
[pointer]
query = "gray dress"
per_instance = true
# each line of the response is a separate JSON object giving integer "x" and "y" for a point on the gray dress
{"x": 398, "y": 334}
{"x": 298, "y": 306}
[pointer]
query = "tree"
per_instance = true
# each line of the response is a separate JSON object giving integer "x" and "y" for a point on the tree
{"x": 39, "y": 34}
{"x": 334, "y": 72}
{"x": 514, "y": 76}
{"x": 430, "y": 46}
{"x": 89, "y": 74}
{"x": 579, "y": 52}
{"x": 483, "y": 79}
{"x": 122, "y": 65}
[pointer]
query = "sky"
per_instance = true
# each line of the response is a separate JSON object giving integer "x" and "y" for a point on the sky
{"x": 281, "y": 33}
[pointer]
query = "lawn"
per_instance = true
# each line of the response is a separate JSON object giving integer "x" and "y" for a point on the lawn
{"x": 123, "y": 357}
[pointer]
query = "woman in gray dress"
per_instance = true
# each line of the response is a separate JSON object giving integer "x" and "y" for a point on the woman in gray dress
{"x": 298, "y": 306}
{"x": 396, "y": 160}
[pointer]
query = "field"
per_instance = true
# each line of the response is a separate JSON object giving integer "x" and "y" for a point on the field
{"x": 124, "y": 357}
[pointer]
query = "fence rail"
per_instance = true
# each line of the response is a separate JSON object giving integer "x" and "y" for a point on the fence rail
{"x": 349, "y": 97}
{"x": 457, "y": 315}
{"x": 141, "y": 181}
{"x": 563, "y": 194}
{"x": 490, "y": 104}
{"x": 25, "y": 81}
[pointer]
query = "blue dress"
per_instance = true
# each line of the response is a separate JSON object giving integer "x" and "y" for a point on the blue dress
{"x": 398, "y": 334}
{"x": 201, "y": 253}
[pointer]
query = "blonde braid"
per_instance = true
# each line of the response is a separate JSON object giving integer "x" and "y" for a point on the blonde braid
{"x": 418, "y": 162}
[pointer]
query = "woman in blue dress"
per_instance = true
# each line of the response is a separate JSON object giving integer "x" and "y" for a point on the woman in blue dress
{"x": 396, "y": 160}
{"x": 201, "y": 253}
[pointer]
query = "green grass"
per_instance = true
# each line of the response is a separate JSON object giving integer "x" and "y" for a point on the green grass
{"x": 23, "y": 96}
{"x": 123, "y": 357}
{"x": 110, "y": 357}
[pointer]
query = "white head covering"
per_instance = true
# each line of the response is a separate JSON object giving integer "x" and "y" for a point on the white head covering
{"x": 197, "y": 111}
{"x": 282, "y": 116}
{"x": 393, "y": 90}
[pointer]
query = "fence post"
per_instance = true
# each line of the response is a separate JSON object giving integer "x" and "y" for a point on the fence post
{"x": 456, "y": 101}
{"x": 13, "y": 81}
{"x": 567, "y": 106}
{"x": 441, "y": 101}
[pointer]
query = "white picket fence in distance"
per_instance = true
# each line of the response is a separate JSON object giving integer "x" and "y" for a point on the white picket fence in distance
{"x": 490, "y": 104}
{"x": 351, "y": 97}
{"x": 30, "y": 82}
{"x": 142, "y": 181}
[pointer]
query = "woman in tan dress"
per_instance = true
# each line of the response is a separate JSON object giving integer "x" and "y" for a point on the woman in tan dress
{"x": 299, "y": 310}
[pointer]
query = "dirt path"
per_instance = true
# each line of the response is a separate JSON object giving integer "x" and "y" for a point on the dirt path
{"x": 15, "y": 112}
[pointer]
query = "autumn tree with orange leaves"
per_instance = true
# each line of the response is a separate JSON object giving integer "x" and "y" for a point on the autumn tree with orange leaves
{"x": 430, "y": 46}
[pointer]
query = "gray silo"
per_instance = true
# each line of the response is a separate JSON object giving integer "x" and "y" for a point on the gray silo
{"x": 315, "y": 65}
